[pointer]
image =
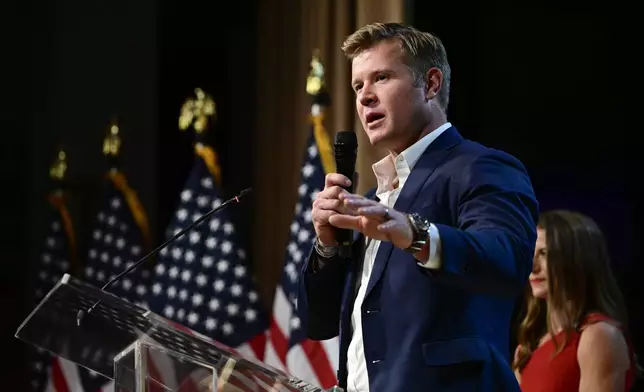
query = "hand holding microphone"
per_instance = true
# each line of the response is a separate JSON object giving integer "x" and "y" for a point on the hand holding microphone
{"x": 337, "y": 212}
{"x": 328, "y": 202}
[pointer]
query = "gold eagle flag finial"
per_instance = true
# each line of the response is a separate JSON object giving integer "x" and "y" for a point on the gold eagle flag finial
{"x": 112, "y": 142}
{"x": 58, "y": 169}
{"x": 315, "y": 80}
{"x": 196, "y": 111}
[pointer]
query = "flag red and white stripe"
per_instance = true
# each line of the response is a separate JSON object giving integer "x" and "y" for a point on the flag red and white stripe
{"x": 287, "y": 345}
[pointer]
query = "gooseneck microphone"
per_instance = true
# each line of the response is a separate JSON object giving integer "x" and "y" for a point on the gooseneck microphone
{"x": 346, "y": 150}
{"x": 81, "y": 313}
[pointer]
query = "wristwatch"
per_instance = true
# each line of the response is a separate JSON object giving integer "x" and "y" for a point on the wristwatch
{"x": 420, "y": 228}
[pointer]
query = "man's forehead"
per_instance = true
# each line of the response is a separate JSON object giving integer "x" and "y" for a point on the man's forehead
{"x": 382, "y": 55}
{"x": 363, "y": 57}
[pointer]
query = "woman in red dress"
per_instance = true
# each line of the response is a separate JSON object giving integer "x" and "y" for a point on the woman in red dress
{"x": 574, "y": 334}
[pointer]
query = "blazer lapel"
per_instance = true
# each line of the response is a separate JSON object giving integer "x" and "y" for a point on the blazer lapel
{"x": 427, "y": 163}
{"x": 433, "y": 156}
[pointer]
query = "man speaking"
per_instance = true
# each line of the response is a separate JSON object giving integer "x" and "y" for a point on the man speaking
{"x": 442, "y": 247}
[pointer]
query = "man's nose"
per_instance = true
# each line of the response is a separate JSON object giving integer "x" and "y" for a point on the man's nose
{"x": 368, "y": 98}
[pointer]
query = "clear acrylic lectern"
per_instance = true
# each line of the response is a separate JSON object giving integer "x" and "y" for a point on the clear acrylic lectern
{"x": 140, "y": 350}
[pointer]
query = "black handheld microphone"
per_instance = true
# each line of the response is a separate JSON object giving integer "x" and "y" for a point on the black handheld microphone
{"x": 134, "y": 266}
{"x": 346, "y": 150}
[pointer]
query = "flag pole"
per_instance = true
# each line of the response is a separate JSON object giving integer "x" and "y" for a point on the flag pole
{"x": 111, "y": 149}
{"x": 315, "y": 360}
{"x": 315, "y": 83}
{"x": 320, "y": 99}
{"x": 58, "y": 169}
{"x": 58, "y": 257}
{"x": 112, "y": 146}
{"x": 58, "y": 199}
{"x": 199, "y": 112}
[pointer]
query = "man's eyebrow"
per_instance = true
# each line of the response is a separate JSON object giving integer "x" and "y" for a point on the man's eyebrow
{"x": 372, "y": 73}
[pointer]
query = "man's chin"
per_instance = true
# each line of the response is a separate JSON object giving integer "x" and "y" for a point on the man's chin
{"x": 379, "y": 138}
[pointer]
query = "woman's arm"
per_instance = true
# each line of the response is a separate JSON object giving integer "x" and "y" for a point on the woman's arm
{"x": 603, "y": 358}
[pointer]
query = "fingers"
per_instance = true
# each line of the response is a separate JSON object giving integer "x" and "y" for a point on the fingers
{"x": 398, "y": 231}
{"x": 329, "y": 204}
{"x": 333, "y": 192}
{"x": 357, "y": 201}
{"x": 345, "y": 221}
{"x": 336, "y": 179}
{"x": 389, "y": 227}
{"x": 374, "y": 212}
{"x": 322, "y": 216}
{"x": 367, "y": 208}
{"x": 333, "y": 186}
{"x": 333, "y": 205}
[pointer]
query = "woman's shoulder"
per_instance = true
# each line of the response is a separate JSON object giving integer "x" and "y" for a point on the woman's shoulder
{"x": 598, "y": 330}
{"x": 602, "y": 331}
{"x": 603, "y": 346}
{"x": 597, "y": 317}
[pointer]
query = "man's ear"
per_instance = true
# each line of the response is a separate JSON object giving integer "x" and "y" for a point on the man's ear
{"x": 433, "y": 82}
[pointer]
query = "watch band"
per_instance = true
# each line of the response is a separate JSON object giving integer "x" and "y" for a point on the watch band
{"x": 420, "y": 227}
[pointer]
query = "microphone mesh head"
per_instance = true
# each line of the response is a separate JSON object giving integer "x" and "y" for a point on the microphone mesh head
{"x": 347, "y": 138}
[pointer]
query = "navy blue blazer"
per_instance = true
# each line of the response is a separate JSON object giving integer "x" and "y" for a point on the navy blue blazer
{"x": 438, "y": 330}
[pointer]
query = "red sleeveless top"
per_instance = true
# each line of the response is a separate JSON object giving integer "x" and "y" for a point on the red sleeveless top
{"x": 561, "y": 373}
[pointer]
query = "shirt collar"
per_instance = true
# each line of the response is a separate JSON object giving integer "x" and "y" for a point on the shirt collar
{"x": 390, "y": 170}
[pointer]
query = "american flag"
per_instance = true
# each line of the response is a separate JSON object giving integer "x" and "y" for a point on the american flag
{"x": 287, "y": 347}
{"x": 202, "y": 280}
{"x": 120, "y": 237}
{"x": 56, "y": 259}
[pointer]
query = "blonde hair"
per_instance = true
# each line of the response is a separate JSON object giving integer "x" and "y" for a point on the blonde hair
{"x": 421, "y": 50}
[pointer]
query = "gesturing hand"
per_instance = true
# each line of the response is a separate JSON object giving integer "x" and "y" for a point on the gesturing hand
{"x": 374, "y": 220}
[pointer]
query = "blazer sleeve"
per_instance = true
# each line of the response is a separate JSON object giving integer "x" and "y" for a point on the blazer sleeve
{"x": 320, "y": 296}
{"x": 492, "y": 246}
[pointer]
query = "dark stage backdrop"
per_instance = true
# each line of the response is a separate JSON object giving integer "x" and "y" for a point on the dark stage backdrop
{"x": 76, "y": 65}
{"x": 526, "y": 82}
{"x": 203, "y": 44}
{"x": 15, "y": 105}
{"x": 551, "y": 88}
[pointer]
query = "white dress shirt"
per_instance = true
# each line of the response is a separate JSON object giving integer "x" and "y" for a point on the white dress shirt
{"x": 391, "y": 175}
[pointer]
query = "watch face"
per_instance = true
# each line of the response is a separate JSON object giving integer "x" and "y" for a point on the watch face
{"x": 421, "y": 225}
